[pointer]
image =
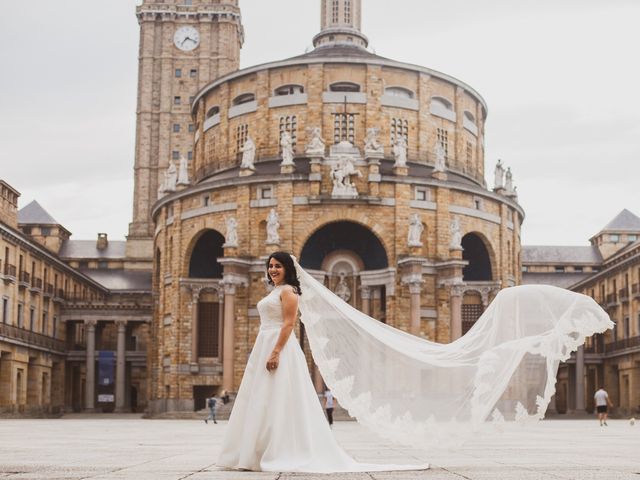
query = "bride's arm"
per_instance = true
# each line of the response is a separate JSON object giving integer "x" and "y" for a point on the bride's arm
{"x": 289, "y": 314}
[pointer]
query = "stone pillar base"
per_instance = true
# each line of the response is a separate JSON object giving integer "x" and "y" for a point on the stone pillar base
{"x": 401, "y": 171}
{"x": 286, "y": 169}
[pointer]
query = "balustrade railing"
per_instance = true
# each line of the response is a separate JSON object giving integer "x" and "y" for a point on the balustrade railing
{"x": 612, "y": 299}
{"x": 635, "y": 289}
{"x": 24, "y": 277}
{"x": 10, "y": 270}
{"x": 31, "y": 338}
{"x": 623, "y": 294}
{"x": 37, "y": 283}
{"x": 623, "y": 344}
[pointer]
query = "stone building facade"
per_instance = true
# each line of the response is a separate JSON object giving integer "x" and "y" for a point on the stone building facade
{"x": 608, "y": 271}
{"x": 369, "y": 170}
{"x": 68, "y": 334}
{"x": 183, "y": 46}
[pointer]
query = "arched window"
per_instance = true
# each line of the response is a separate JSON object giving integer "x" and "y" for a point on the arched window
{"x": 442, "y": 107}
{"x": 469, "y": 122}
{"x": 476, "y": 253}
{"x": 344, "y": 87}
{"x": 288, "y": 90}
{"x": 204, "y": 257}
{"x": 399, "y": 92}
{"x": 212, "y": 111}
{"x": 244, "y": 98}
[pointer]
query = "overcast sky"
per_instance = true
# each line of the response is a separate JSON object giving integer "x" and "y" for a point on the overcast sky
{"x": 561, "y": 78}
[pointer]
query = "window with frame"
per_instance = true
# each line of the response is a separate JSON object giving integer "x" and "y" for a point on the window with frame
{"x": 442, "y": 138}
{"x": 45, "y": 231}
{"x": 177, "y": 100}
{"x": 242, "y": 133}
{"x": 399, "y": 128}
{"x": 335, "y": 12}
{"x": 45, "y": 320}
{"x": 208, "y": 330}
{"x": 189, "y": 155}
{"x": 348, "y": 87}
{"x": 288, "y": 90}
{"x": 421, "y": 194}
{"x": 265, "y": 192}
{"x": 347, "y": 11}
{"x": 615, "y": 238}
{"x": 344, "y": 127}
{"x": 20, "y": 315}
{"x": 193, "y": 72}
{"x": 175, "y": 155}
{"x": 212, "y": 111}
{"x": 32, "y": 318}
{"x": 289, "y": 124}
{"x": 178, "y": 72}
{"x": 54, "y": 331}
{"x": 469, "y": 156}
{"x": 192, "y": 128}
{"x": 559, "y": 269}
{"x": 176, "y": 128}
{"x": 399, "y": 92}
{"x": 244, "y": 98}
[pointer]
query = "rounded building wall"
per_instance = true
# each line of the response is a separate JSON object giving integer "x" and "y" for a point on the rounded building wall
{"x": 426, "y": 108}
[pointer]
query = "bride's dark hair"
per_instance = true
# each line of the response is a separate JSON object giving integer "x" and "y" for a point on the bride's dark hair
{"x": 290, "y": 276}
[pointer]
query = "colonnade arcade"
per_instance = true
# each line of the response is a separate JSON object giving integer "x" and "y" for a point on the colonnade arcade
{"x": 346, "y": 257}
{"x": 106, "y": 361}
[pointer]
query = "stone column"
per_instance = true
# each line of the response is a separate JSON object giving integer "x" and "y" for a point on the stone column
{"x": 365, "y": 295}
{"x": 580, "y": 405}
{"x": 414, "y": 290}
{"x": 120, "y": 365}
{"x": 228, "y": 340}
{"x": 90, "y": 380}
{"x": 456, "y": 313}
{"x": 195, "y": 297}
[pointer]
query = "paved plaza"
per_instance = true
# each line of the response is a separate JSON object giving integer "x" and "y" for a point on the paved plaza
{"x": 129, "y": 447}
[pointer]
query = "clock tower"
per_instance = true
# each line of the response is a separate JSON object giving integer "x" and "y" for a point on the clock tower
{"x": 184, "y": 45}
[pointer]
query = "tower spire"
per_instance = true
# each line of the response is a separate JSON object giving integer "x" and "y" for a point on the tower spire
{"x": 340, "y": 24}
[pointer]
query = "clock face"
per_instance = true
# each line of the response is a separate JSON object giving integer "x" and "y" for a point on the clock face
{"x": 186, "y": 38}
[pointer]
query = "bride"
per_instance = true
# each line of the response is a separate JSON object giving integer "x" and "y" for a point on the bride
{"x": 402, "y": 387}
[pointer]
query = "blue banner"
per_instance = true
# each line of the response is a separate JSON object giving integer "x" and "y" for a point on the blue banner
{"x": 106, "y": 367}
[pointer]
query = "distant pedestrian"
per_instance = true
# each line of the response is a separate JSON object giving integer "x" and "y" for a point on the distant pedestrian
{"x": 211, "y": 404}
{"x": 602, "y": 403}
{"x": 328, "y": 406}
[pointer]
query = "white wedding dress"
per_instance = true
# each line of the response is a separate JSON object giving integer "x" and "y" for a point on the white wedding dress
{"x": 406, "y": 389}
{"x": 277, "y": 423}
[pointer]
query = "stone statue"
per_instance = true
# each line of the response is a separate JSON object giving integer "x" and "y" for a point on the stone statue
{"x": 498, "y": 178}
{"x": 342, "y": 289}
{"x": 415, "y": 231}
{"x": 286, "y": 142}
{"x": 172, "y": 178}
{"x": 400, "y": 152}
{"x": 441, "y": 160}
{"x": 341, "y": 173}
{"x": 183, "y": 172}
{"x": 273, "y": 223}
{"x": 232, "y": 233}
{"x": 508, "y": 183}
{"x": 162, "y": 188}
{"x": 456, "y": 235}
{"x": 316, "y": 144}
{"x": 371, "y": 143}
{"x": 248, "y": 154}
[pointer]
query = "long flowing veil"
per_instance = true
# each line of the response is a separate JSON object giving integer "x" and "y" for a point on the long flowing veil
{"x": 421, "y": 393}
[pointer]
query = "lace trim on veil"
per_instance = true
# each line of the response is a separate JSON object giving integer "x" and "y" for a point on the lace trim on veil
{"x": 488, "y": 376}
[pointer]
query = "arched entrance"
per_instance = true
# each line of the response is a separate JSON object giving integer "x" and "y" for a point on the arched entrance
{"x": 352, "y": 262}
{"x": 344, "y": 235}
{"x": 476, "y": 253}
{"x": 203, "y": 262}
